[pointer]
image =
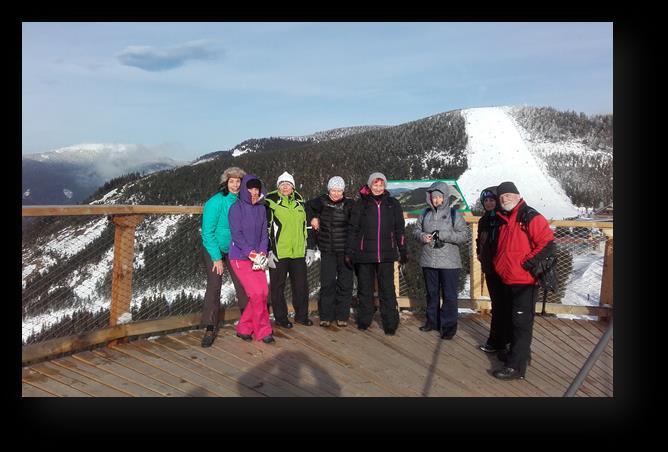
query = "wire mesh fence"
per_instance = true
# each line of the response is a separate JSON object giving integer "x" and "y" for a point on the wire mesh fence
{"x": 68, "y": 262}
{"x": 580, "y": 258}
{"x": 66, "y": 276}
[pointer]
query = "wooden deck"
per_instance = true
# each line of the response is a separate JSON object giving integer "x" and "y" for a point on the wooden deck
{"x": 314, "y": 362}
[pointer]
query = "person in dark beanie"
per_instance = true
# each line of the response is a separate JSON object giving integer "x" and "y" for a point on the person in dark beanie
{"x": 524, "y": 238}
{"x": 486, "y": 241}
{"x": 376, "y": 234}
{"x": 216, "y": 238}
{"x": 441, "y": 230}
{"x": 329, "y": 215}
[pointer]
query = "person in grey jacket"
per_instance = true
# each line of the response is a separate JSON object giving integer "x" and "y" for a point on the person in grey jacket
{"x": 441, "y": 229}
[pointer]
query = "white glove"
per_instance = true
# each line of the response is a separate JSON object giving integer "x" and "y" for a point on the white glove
{"x": 260, "y": 260}
{"x": 310, "y": 257}
{"x": 272, "y": 260}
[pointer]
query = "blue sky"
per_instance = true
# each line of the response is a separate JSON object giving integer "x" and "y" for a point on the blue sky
{"x": 186, "y": 89}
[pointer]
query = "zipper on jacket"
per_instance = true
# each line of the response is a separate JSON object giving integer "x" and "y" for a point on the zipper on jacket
{"x": 378, "y": 238}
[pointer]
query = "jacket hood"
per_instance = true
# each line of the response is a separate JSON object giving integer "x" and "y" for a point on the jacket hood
{"x": 447, "y": 191}
{"x": 244, "y": 195}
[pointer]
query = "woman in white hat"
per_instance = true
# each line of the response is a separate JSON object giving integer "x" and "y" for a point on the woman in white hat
{"x": 329, "y": 215}
{"x": 286, "y": 218}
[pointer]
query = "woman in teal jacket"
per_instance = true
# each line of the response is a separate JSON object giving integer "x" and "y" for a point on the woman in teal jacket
{"x": 216, "y": 238}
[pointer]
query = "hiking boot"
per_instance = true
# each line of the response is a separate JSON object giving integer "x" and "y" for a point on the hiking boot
{"x": 489, "y": 349}
{"x": 208, "y": 338}
{"x": 508, "y": 373}
{"x": 286, "y": 324}
{"x": 269, "y": 339}
{"x": 246, "y": 337}
{"x": 448, "y": 333}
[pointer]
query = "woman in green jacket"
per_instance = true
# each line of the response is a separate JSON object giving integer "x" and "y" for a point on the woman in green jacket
{"x": 216, "y": 238}
{"x": 286, "y": 220}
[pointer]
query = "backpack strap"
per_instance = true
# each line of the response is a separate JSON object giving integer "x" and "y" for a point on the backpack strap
{"x": 453, "y": 212}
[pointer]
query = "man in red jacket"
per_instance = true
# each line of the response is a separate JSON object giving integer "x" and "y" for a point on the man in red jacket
{"x": 524, "y": 239}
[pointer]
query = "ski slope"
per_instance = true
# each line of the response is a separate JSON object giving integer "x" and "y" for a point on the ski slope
{"x": 496, "y": 153}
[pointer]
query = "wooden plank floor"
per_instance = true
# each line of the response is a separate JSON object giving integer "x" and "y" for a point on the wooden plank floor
{"x": 329, "y": 362}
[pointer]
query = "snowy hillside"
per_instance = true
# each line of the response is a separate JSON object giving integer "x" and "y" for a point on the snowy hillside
{"x": 496, "y": 152}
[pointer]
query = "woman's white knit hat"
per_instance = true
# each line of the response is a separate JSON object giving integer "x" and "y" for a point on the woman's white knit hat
{"x": 285, "y": 177}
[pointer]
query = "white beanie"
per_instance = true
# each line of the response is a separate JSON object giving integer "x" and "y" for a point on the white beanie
{"x": 375, "y": 176}
{"x": 336, "y": 182}
{"x": 285, "y": 177}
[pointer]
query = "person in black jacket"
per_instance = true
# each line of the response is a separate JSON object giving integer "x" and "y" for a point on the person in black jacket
{"x": 488, "y": 230}
{"x": 329, "y": 215}
{"x": 376, "y": 232}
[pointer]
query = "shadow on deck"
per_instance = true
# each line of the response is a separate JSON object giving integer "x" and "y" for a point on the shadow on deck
{"x": 325, "y": 362}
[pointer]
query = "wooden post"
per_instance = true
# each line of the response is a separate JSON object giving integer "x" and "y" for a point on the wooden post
{"x": 475, "y": 268}
{"x": 606, "y": 278}
{"x": 121, "y": 284}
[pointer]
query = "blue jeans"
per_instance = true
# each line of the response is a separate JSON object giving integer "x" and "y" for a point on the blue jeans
{"x": 443, "y": 281}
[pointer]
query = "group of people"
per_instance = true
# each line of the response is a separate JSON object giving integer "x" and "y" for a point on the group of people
{"x": 248, "y": 231}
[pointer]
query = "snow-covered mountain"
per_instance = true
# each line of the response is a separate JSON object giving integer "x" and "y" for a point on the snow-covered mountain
{"x": 69, "y": 175}
{"x": 496, "y": 152}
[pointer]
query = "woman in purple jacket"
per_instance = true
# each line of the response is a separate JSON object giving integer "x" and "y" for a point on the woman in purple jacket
{"x": 248, "y": 258}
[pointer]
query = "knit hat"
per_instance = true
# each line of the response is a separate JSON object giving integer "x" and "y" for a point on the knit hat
{"x": 506, "y": 187}
{"x": 489, "y": 192}
{"x": 375, "y": 176}
{"x": 232, "y": 171}
{"x": 337, "y": 183}
{"x": 254, "y": 183}
{"x": 285, "y": 177}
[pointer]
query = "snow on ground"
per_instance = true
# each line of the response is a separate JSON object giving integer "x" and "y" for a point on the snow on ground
{"x": 496, "y": 152}
{"x": 72, "y": 240}
{"x": 107, "y": 199}
{"x": 35, "y": 324}
{"x": 158, "y": 229}
{"x": 584, "y": 284}
{"x": 171, "y": 293}
{"x": 27, "y": 271}
{"x": 204, "y": 161}
{"x": 84, "y": 283}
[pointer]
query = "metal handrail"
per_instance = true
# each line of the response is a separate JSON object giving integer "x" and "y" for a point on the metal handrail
{"x": 589, "y": 363}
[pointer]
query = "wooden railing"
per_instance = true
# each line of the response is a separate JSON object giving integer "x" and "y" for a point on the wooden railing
{"x": 127, "y": 217}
